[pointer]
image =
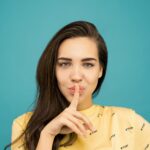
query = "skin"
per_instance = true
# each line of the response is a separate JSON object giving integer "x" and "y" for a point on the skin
{"x": 71, "y": 69}
{"x": 76, "y": 74}
{"x": 70, "y": 120}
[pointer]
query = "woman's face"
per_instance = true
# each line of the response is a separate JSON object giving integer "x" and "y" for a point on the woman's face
{"x": 78, "y": 62}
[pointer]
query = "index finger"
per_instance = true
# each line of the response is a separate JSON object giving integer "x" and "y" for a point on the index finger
{"x": 75, "y": 100}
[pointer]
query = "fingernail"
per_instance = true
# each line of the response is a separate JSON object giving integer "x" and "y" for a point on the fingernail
{"x": 93, "y": 129}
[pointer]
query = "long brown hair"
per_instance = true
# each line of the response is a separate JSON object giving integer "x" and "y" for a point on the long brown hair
{"x": 50, "y": 102}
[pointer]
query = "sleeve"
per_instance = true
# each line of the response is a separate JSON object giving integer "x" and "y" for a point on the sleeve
{"x": 142, "y": 132}
{"x": 17, "y": 130}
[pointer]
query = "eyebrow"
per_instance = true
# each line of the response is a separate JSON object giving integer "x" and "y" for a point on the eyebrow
{"x": 84, "y": 59}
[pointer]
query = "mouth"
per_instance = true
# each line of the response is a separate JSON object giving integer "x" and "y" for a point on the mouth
{"x": 72, "y": 90}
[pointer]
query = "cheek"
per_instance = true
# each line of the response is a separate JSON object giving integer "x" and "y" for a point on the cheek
{"x": 61, "y": 77}
{"x": 92, "y": 78}
{"x": 60, "y": 81}
{"x": 92, "y": 81}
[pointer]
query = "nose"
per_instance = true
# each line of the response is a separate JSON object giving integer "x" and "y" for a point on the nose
{"x": 76, "y": 74}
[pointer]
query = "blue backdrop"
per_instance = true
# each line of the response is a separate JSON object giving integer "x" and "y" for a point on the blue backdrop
{"x": 27, "y": 26}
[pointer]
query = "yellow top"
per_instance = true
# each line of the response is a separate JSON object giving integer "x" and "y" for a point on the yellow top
{"x": 117, "y": 129}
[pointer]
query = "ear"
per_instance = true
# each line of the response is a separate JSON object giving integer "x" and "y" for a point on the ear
{"x": 100, "y": 72}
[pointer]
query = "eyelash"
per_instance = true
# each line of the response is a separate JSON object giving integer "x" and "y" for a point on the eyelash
{"x": 65, "y": 64}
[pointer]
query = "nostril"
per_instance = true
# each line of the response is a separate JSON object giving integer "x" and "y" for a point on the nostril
{"x": 76, "y": 80}
{"x": 76, "y": 75}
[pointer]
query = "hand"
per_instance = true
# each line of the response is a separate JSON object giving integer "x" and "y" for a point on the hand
{"x": 70, "y": 120}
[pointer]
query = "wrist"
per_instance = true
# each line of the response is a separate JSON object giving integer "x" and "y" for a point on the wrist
{"x": 47, "y": 135}
{"x": 45, "y": 141}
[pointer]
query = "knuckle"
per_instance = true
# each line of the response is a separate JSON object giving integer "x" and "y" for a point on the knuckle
{"x": 62, "y": 121}
{"x": 67, "y": 110}
{"x": 86, "y": 119}
{"x": 70, "y": 110}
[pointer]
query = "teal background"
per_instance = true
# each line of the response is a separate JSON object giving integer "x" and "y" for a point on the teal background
{"x": 27, "y": 26}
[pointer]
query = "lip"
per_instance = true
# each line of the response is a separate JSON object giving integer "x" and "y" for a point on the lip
{"x": 72, "y": 89}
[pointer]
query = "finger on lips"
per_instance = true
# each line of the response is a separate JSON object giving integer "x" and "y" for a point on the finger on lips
{"x": 75, "y": 99}
{"x": 74, "y": 103}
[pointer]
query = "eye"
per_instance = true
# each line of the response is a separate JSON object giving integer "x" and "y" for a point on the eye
{"x": 64, "y": 64}
{"x": 88, "y": 65}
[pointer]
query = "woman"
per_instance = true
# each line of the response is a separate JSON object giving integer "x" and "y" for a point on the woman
{"x": 71, "y": 69}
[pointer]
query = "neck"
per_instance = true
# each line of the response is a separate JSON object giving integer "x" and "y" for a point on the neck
{"x": 84, "y": 105}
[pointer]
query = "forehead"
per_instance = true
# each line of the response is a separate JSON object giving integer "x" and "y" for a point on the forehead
{"x": 78, "y": 48}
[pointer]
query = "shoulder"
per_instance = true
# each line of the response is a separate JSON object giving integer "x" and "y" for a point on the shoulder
{"x": 23, "y": 119}
{"x": 119, "y": 110}
{"x": 124, "y": 114}
{"x": 116, "y": 109}
{"x": 120, "y": 113}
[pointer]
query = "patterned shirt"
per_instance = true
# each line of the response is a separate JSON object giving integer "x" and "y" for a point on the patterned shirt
{"x": 117, "y": 128}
